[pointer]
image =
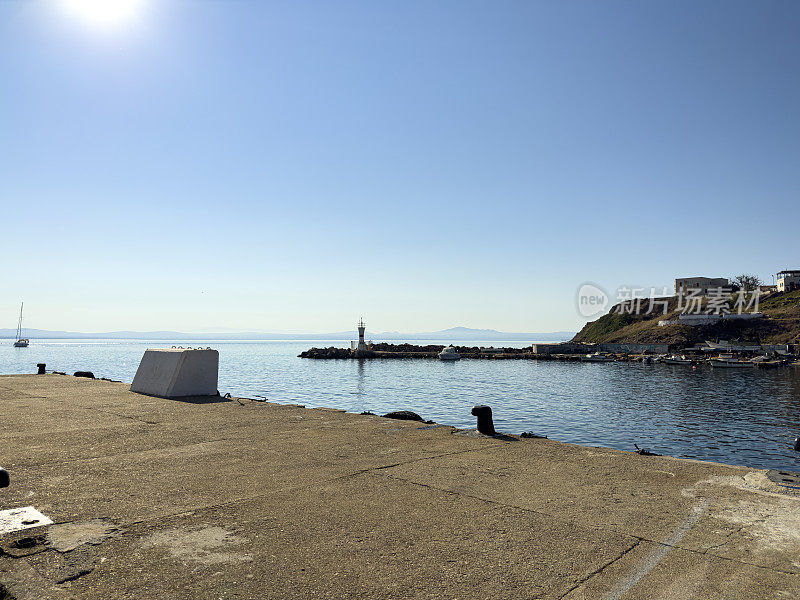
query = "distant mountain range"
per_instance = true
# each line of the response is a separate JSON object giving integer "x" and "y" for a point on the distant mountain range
{"x": 454, "y": 333}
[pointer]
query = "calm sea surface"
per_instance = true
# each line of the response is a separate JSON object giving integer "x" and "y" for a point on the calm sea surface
{"x": 747, "y": 417}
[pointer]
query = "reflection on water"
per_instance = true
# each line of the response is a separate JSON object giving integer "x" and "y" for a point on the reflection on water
{"x": 360, "y": 379}
{"x": 748, "y": 417}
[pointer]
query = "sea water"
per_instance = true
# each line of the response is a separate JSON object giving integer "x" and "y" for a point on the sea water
{"x": 747, "y": 417}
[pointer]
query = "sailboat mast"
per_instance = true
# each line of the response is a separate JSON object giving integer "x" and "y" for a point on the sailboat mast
{"x": 19, "y": 324}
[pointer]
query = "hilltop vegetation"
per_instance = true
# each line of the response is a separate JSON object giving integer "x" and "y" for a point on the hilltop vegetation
{"x": 781, "y": 325}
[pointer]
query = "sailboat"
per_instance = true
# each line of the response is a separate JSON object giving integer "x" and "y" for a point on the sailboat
{"x": 21, "y": 341}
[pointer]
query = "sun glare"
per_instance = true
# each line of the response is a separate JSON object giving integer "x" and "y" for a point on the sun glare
{"x": 104, "y": 12}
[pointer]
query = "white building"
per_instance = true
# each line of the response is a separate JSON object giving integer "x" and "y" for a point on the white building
{"x": 788, "y": 281}
{"x": 704, "y": 284}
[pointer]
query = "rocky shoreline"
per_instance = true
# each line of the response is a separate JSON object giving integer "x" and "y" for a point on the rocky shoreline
{"x": 385, "y": 350}
{"x": 431, "y": 352}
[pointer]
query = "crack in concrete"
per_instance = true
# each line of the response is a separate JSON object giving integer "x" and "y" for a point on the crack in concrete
{"x": 116, "y": 414}
{"x": 313, "y": 484}
{"x": 598, "y": 527}
{"x": 725, "y": 541}
{"x": 457, "y": 493}
{"x": 121, "y": 416}
{"x": 647, "y": 564}
{"x": 87, "y": 459}
{"x": 601, "y": 568}
{"x": 100, "y": 410}
{"x": 401, "y": 464}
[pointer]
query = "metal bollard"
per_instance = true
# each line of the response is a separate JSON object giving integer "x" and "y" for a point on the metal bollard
{"x": 797, "y": 444}
{"x": 41, "y": 368}
{"x": 485, "y": 423}
{"x": 5, "y": 479}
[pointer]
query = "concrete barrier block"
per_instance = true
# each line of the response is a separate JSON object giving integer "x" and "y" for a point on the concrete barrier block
{"x": 176, "y": 372}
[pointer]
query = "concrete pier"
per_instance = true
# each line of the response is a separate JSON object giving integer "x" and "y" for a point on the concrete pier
{"x": 208, "y": 498}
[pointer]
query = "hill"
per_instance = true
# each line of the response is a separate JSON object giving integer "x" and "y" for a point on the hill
{"x": 781, "y": 325}
{"x": 453, "y": 334}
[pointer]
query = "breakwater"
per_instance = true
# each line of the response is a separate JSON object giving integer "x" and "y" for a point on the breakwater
{"x": 385, "y": 350}
{"x": 569, "y": 352}
{"x": 204, "y": 498}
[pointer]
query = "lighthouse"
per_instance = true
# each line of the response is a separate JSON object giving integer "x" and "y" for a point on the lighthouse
{"x": 362, "y": 345}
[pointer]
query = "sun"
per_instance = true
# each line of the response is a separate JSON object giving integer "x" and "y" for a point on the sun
{"x": 105, "y": 12}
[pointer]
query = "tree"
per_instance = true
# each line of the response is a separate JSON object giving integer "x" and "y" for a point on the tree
{"x": 745, "y": 282}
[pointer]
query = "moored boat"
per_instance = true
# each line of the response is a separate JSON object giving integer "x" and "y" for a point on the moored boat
{"x": 765, "y": 362}
{"x": 728, "y": 361}
{"x": 21, "y": 341}
{"x": 769, "y": 364}
{"x": 677, "y": 360}
{"x": 597, "y": 357}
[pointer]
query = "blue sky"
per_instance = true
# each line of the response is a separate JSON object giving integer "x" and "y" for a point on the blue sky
{"x": 294, "y": 166}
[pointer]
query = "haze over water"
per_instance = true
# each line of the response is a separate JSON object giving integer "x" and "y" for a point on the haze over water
{"x": 747, "y": 417}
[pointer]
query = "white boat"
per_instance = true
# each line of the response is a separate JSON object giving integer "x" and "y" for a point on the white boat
{"x": 677, "y": 360}
{"x": 728, "y": 361}
{"x": 597, "y": 357}
{"x": 21, "y": 341}
{"x": 449, "y": 353}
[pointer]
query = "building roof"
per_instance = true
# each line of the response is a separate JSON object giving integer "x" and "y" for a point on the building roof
{"x": 699, "y": 277}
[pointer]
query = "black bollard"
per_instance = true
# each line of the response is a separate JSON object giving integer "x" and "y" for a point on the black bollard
{"x": 485, "y": 423}
{"x": 41, "y": 368}
{"x": 797, "y": 444}
{"x": 5, "y": 480}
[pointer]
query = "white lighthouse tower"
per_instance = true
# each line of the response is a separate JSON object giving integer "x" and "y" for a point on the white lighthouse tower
{"x": 362, "y": 345}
